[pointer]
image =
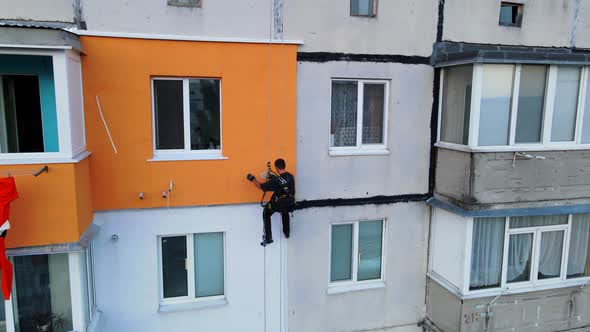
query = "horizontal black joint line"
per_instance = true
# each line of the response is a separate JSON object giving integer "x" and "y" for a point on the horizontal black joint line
{"x": 377, "y": 200}
{"x": 394, "y": 58}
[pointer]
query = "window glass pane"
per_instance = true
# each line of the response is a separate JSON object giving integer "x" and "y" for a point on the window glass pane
{"x": 85, "y": 294}
{"x": 456, "y": 104}
{"x": 586, "y": 120}
{"x": 579, "y": 251}
{"x": 486, "y": 252}
{"x": 373, "y": 110}
{"x": 21, "y": 128}
{"x": 506, "y": 15}
{"x": 341, "y": 252}
{"x": 369, "y": 257}
{"x": 168, "y": 114}
{"x": 344, "y": 109}
{"x": 550, "y": 255}
{"x": 361, "y": 7}
{"x": 42, "y": 297}
{"x": 174, "y": 274}
{"x": 519, "y": 257}
{"x": 566, "y": 104}
{"x": 496, "y": 96}
{"x": 209, "y": 264}
{"x": 529, "y": 120}
{"x": 537, "y": 221}
{"x": 204, "y": 114}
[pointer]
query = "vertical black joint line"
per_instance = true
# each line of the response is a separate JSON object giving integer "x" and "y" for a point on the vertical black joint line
{"x": 441, "y": 20}
{"x": 434, "y": 131}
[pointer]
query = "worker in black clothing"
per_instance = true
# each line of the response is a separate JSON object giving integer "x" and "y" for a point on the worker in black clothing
{"x": 282, "y": 184}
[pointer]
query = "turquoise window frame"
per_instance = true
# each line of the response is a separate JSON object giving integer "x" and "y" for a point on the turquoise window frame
{"x": 42, "y": 67}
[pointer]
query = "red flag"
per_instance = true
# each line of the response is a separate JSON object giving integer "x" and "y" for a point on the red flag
{"x": 7, "y": 194}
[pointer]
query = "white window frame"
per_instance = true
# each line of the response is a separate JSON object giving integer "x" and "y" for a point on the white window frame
{"x": 549, "y": 99}
{"x": 360, "y": 148}
{"x": 190, "y": 301}
{"x": 534, "y": 284}
{"x": 91, "y": 281}
{"x": 344, "y": 286}
{"x": 186, "y": 153}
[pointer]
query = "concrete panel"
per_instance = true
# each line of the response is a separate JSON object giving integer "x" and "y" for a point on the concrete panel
{"x": 242, "y": 19}
{"x": 404, "y": 170}
{"x": 582, "y": 33}
{"x": 401, "y": 27}
{"x": 563, "y": 175}
{"x": 35, "y": 10}
{"x": 477, "y": 22}
{"x": 397, "y": 307}
{"x": 453, "y": 174}
{"x": 443, "y": 307}
{"x": 448, "y": 246}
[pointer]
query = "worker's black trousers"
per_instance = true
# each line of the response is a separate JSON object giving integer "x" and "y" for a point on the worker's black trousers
{"x": 266, "y": 213}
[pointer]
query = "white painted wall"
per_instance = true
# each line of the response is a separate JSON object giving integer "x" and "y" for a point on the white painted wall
{"x": 545, "y": 23}
{"x": 126, "y": 271}
{"x": 54, "y": 10}
{"x": 400, "y": 304}
{"x": 449, "y": 236}
{"x": 403, "y": 171}
{"x": 401, "y": 27}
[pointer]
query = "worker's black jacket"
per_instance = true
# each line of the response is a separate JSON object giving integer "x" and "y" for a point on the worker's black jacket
{"x": 283, "y": 188}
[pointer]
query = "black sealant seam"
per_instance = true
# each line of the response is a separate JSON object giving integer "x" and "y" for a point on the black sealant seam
{"x": 376, "y": 200}
{"x": 321, "y": 57}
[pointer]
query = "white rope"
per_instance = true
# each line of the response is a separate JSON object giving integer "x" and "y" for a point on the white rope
{"x": 105, "y": 125}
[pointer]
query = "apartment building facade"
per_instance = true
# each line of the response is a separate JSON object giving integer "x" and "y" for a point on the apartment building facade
{"x": 510, "y": 225}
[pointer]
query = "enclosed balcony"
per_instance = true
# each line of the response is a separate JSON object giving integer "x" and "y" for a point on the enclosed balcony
{"x": 513, "y": 135}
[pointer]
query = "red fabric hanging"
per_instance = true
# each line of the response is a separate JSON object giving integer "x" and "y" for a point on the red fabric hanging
{"x": 8, "y": 194}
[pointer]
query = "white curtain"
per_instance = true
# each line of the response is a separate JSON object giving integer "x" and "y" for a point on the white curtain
{"x": 486, "y": 253}
{"x": 344, "y": 109}
{"x": 519, "y": 257}
{"x": 579, "y": 251}
{"x": 550, "y": 254}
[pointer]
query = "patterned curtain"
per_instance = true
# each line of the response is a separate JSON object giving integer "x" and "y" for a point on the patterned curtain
{"x": 344, "y": 109}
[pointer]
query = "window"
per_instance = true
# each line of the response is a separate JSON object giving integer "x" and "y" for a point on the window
{"x": 363, "y": 8}
{"x": 511, "y": 14}
{"x": 356, "y": 252}
{"x": 529, "y": 251}
{"x": 192, "y": 267}
{"x": 41, "y": 292}
{"x": 518, "y": 105}
{"x": 359, "y": 114}
{"x": 185, "y": 3}
{"x": 21, "y": 128}
{"x": 187, "y": 115}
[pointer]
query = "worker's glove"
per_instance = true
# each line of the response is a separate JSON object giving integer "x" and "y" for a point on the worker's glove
{"x": 250, "y": 177}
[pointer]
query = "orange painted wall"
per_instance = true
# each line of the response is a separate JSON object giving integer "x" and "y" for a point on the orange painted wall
{"x": 52, "y": 208}
{"x": 119, "y": 71}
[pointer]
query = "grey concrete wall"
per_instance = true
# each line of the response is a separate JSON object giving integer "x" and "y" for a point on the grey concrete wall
{"x": 54, "y": 10}
{"x": 492, "y": 178}
{"x": 545, "y": 23}
{"x": 540, "y": 311}
{"x": 401, "y": 27}
{"x": 397, "y": 307}
{"x": 240, "y": 19}
{"x": 404, "y": 170}
{"x": 453, "y": 174}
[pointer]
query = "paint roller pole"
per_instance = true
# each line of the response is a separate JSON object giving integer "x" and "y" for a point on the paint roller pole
{"x": 105, "y": 125}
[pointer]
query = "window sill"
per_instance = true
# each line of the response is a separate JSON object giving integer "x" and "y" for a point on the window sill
{"x": 358, "y": 152}
{"x": 340, "y": 289}
{"x": 192, "y": 305}
{"x": 180, "y": 156}
{"x": 41, "y": 158}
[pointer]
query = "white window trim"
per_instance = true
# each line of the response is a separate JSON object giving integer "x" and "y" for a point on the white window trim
{"x": 523, "y": 287}
{"x": 549, "y": 99}
{"x": 360, "y": 148}
{"x": 345, "y": 286}
{"x": 186, "y": 153}
{"x": 190, "y": 301}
